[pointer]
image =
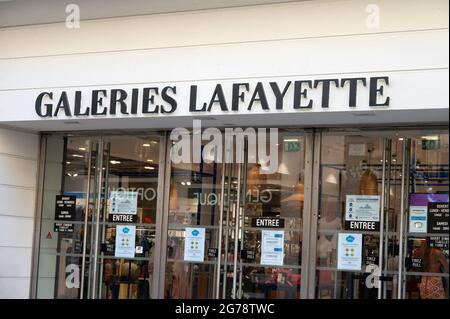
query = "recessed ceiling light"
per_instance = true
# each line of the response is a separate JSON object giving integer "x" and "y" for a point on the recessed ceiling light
{"x": 188, "y": 183}
{"x": 149, "y": 167}
{"x": 68, "y": 162}
{"x": 75, "y": 175}
{"x": 146, "y": 145}
{"x": 150, "y": 160}
{"x": 82, "y": 148}
{"x": 154, "y": 142}
{"x": 76, "y": 155}
{"x": 183, "y": 183}
{"x": 114, "y": 162}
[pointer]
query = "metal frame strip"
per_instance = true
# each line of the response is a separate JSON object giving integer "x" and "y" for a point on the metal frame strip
{"x": 38, "y": 217}
{"x": 86, "y": 214}
{"x": 307, "y": 214}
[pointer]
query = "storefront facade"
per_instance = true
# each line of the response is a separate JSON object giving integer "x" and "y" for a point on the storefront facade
{"x": 355, "y": 208}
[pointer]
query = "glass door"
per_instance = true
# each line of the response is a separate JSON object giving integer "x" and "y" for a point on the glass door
{"x": 263, "y": 237}
{"x": 103, "y": 239}
{"x": 248, "y": 221}
{"x": 125, "y": 223}
{"x": 376, "y": 192}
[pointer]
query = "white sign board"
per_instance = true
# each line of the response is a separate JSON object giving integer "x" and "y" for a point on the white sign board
{"x": 418, "y": 216}
{"x": 194, "y": 244}
{"x": 125, "y": 241}
{"x": 123, "y": 202}
{"x": 349, "y": 251}
{"x": 362, "y": 208}
{"x": 272, "y": 247}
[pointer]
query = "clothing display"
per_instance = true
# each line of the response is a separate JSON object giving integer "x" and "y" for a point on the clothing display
{"x": 431, "y": 288}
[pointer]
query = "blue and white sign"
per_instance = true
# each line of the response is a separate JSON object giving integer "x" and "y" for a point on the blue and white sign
{"x": 349, "y": 251}
{"x": 194, "y": 244}
{"x": 272, "y": 247}
{"x": 418, "y": 219}
{"x": 125, "y": 241}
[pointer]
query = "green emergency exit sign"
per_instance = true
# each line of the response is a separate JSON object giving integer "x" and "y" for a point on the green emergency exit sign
{"x": 431, "y": 144}
{"x": 292, "y": 145}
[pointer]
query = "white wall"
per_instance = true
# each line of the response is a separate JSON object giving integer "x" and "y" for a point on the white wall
{"x": 18, "y": 176}
{"x": 316, "y": 39}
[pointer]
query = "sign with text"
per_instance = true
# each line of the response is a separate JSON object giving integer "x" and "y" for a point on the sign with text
{"x": 438, "y": 217}
{"x": 65, "y": 207}
{"x": 418, "y": 217}
{"x": 349, "y": 251}
{"x": 440, "y": 242}
{"x": 125, "y": 241}
{"x": 194, "y": 244}
{"x": 272, "y": 247}
{"x": 63, "y": 228}
{"x": 267, "y": 222}
{"x": 123, "y": 207}
{"x": 362, "y": 212}
{"x": 212, "y": 252}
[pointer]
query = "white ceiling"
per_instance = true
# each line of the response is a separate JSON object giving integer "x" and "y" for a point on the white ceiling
{"x": 27, "y": 12}
{"x": 302, "y": 119}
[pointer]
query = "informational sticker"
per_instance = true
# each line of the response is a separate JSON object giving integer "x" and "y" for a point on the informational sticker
{"x": 418, "y": 218}
{"x": 362, "y": 212}
{"x": 272, "y": 247}
{"x": 125, "y": 241}
{"x": 123, "y": 207}
{"x": 349, "y": 251}
{"x": 194, "y": 244}
{"x": 438, "y": 218}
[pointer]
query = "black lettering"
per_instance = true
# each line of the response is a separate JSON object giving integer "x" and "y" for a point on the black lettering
{"x": 63, "y": 104}
{"x": 353, "y": 89}
{"x": 298, "y": 94}
{"x": 218, "y": 97}
{"x": 193, "y": 100}
{"x": 279, "y": 96}
{"x": 375, "y": 90}
{"x": 237, "y": 95}
{"x": 48, "y": 107}
{"x": 77, "y": 109}
{"x": 97, "y": 101}
{"x": 121, "y": 100}
{"x": 260, "y": 96}
{"x": 167, "y": 98}
{"x": 134, "y": 100}
{"x": 326, "y": 90}
{"x": 148, "y": 100}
